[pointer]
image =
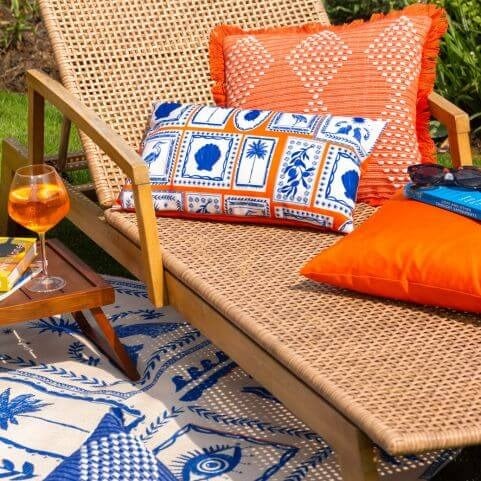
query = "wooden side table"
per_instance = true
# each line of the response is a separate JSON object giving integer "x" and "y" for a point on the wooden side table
{"x": 85, "y": 290}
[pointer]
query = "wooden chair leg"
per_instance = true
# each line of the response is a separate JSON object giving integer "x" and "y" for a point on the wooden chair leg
{"x": 357, "y": 462}
{"x": 460, "y": 149}
{"x": 13, "y": 157}
{"x": 5, "y": 181}
{"x": 63, "y": 147}
{"x": 112, "y": 348}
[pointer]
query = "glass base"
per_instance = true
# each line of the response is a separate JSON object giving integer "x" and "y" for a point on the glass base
{"x": 45, "y": 284}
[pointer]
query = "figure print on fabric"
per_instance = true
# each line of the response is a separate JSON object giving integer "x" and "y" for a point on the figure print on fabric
{"x": 154, "y": 153}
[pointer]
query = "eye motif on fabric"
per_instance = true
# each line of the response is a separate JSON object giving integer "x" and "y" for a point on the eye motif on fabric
{"x": 208, "y": 463}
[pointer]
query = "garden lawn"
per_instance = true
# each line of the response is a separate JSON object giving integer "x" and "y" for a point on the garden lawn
{"x": 13, "y": 123}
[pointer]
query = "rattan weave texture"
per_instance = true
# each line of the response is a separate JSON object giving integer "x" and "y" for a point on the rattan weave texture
{"x": 409, "y": 376}
{"x": 118, "y": 56}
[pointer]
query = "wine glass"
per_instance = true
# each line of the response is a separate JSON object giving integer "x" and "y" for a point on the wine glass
{"x": 38, "y": 200}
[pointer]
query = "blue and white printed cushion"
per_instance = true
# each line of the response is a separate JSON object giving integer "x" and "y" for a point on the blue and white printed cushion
{"x": 255, "y": 165}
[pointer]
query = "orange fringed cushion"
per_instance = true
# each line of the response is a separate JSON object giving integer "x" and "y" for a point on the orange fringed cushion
{"x": 382, "y": 69}
{"x": 410, "y": 251}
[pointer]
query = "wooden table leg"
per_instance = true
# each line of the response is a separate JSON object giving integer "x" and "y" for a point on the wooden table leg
{"x": 115, "y": 350}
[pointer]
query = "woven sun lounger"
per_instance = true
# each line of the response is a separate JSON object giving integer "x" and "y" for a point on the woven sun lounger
{"x": 356, "y": 369}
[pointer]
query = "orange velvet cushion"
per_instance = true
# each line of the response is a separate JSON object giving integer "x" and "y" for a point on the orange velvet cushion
{"x": 382, "y": 69}
{"x": 410, "y": 251}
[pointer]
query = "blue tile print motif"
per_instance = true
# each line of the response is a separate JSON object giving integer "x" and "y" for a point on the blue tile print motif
{"x": 207, "y": 159}
{"x": 223, "y": 453}
{"x": 350, "y": 181}
{"x": 359, "y": 132}
{"x": 126, "y": 198}
{"x": 193, "y": 415}
{"x": 170, "y": 114}
{"x": 294, "y": 123}
{"x": 211, "y": 117}
{"x": 206, "y": 156}
{"x": 167, "y": 201}
{"x": 254, "y": 163}
{"x": 198, "y": 203}
{"x": 247, "y": 206}
{"x": 339, "y": 180}
{"x": 299, "y": 164}
{"x": 159, "y": 153}
{"x": 250, "y": 119}
{"x": 165, "y": 110}
{"x": 318, "y": 220}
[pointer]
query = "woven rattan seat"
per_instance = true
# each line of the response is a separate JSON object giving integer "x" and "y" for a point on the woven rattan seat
{"x": 409, "y": 376}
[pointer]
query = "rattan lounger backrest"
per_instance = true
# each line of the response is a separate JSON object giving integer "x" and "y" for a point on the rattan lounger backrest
{"x": 118, "y": 56}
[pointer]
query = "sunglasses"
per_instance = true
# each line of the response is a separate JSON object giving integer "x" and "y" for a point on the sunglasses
{"x": 435, "y": 174}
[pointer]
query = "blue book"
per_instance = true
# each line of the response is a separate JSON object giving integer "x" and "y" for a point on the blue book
{"x": 456, "y": 199}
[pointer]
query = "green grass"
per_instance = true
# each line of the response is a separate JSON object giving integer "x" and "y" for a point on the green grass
{"x": 13, "y": 123}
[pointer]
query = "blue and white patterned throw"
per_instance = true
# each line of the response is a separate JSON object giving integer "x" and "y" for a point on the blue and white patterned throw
{"x": 66, "y": 413}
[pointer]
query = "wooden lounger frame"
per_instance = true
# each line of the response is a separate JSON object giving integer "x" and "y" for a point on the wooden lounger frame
{"x": 354, "y": 448}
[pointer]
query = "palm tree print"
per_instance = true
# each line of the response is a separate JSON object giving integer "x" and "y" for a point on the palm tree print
{"x": 256, "y": 150}
{"x": 18, "y": 406}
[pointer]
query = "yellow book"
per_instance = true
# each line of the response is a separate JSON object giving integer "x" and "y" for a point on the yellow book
{"x": 16, "y": 255}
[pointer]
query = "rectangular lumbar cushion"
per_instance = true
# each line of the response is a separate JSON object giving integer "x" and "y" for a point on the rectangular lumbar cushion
{"x": 258, "y": 166}
{"x": 382, "y": 69}
{"x": 411, "y": 251}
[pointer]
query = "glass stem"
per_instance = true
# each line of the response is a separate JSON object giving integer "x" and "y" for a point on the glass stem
{"x": 43, "y": 253}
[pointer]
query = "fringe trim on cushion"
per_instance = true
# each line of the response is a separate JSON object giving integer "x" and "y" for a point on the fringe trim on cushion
{"x": 427, "y": 77}
{"x": 216, "y": 52}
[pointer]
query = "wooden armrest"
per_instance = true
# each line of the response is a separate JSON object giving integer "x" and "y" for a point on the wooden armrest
{"x": 456, "y": 122}
{"x": 87, "y": 121}
{"x": 40, "y": 88}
